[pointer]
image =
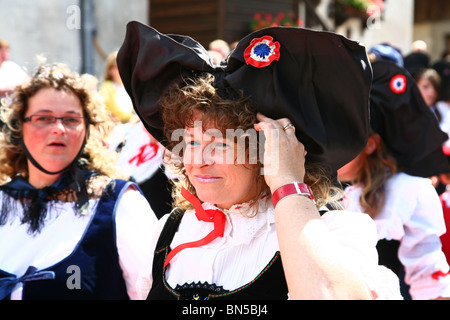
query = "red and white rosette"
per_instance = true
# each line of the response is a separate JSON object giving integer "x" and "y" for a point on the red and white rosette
{"x": 262, "y": 51}
{"x": 398, "y": 84}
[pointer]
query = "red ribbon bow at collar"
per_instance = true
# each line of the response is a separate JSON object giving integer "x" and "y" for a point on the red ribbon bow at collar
{"x": 213, "y": 216}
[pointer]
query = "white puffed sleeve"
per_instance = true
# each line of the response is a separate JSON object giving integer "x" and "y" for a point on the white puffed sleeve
{"x": 135, "y": 227}
{"x": 420, "y": 248}
{"x": 357, "y": 233}
{"x": 145, "y": 279}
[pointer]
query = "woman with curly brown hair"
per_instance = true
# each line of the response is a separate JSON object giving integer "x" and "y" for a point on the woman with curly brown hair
{"x": 70, "y": 228}
{"x": 201, "y": 102}
{"x": 247, "y": 219}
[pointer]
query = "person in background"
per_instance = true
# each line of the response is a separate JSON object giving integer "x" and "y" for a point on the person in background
{"x": 390, "y": 181}
{"x": 418, "y": 59}
{"x": 385, "y": 51}
{"x": 419, "y": 46}
{"x": 429, "y": 83}
{"x": 111, "y": 89}
{"x": 216, "y": 57}
{"x": 233, "y": 223}
{"x": 11, "y": 74}
{"x": 220, "y": 46}
{"x": 71, "y": 227}
{"x": 443, "y": 68}
{"x": 140, "y": 158}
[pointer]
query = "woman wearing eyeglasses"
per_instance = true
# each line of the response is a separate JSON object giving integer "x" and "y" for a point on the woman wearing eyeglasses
{"x": 69, "y": 228}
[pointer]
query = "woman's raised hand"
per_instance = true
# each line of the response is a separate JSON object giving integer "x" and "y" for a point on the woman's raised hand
{"x": 284, "y": 155}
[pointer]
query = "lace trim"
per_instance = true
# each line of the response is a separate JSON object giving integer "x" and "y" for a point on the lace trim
{"x": 239, "y": 229}
{"x": 198, "y": 290}
{"x": 212, "y": 296}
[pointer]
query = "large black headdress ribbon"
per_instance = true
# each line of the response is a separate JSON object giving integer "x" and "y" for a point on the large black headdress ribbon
{"x": 319, "y": 80}
{"x": 406, "y": 124}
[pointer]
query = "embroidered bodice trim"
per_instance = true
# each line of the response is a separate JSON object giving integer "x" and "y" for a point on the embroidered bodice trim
{"x": 206, "y": 291}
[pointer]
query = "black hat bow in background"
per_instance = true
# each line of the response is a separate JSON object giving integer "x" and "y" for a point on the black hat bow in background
{"x": 409, "y": 128}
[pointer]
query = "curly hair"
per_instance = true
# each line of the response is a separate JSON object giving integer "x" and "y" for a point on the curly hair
{"x": 224, "y": 108}
{"x": 95, "y": 155}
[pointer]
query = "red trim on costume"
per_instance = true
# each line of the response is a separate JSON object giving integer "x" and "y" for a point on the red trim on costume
{"x": 374, "y": 294}
{"x": 439, "y": 274}
{"x": 214, "y": 216}
{"x": 446, "y": 150}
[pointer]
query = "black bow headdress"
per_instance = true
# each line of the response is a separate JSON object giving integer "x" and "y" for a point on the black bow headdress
{"x": 319, "y": 80}
{"x": 406, "y": 124}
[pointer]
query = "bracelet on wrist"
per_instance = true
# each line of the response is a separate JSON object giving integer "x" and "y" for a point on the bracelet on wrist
{"x": 293, "y": 188}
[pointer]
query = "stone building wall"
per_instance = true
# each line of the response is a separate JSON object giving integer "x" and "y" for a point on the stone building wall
{"x": 51, "y": 28}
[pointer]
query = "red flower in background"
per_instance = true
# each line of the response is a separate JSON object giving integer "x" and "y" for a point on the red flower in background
{"x": 263, "y": 20}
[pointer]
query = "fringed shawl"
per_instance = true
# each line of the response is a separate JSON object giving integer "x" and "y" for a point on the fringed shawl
{"x": 70, "y": 187}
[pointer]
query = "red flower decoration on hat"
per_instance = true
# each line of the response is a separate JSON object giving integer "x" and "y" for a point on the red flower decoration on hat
{"x": 398, "y": 84}
{"x": 262, "y": 51}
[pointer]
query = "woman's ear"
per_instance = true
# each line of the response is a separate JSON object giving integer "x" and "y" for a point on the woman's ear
{"x": 372, "y": 143}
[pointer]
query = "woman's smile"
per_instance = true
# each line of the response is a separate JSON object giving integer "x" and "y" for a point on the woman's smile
{"x": 206, "y": 178}
{"x": 215, "y": 180}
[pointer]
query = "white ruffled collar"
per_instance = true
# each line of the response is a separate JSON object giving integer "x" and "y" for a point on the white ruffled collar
{"x": 240, "y": 227}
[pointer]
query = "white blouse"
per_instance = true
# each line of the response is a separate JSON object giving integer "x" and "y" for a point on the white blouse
{"x": 63, "y": 230}
{"x": 412, "y": 215}
{"x": 249, "y": 244}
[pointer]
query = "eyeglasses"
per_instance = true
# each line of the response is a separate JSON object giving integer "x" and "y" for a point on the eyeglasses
{"x": 43, "y": 121}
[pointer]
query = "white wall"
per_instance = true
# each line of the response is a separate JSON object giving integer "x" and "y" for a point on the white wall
{"x": 434, "y": 34}
{"x": 396, "y": 27}
{"x": 112, "y": 17}
{"x": 46, "y": 27}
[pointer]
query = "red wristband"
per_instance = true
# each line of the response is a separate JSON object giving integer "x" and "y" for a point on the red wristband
{"x": 294, "y": 188}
